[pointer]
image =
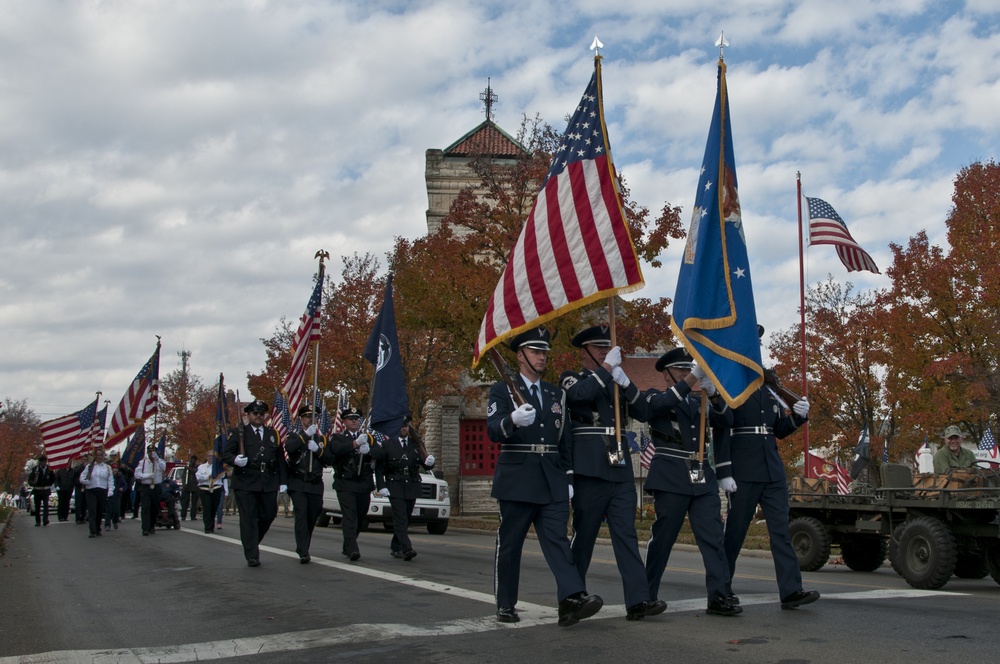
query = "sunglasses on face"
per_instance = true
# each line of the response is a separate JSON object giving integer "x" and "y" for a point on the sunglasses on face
{"x": 257, "y": 412}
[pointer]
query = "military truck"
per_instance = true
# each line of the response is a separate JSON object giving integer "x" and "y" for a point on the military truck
{"x": 930, "y": 526}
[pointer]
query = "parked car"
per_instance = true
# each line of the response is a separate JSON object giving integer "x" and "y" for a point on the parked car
{"x": 432, "y": 508}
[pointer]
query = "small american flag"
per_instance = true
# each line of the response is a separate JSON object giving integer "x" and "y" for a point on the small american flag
{"x": 67, "y": 436}
{"x": 281, "y": 417}
{"x": 826, "y": 227}
{"x": 575, "y": 245}
{"x": 988, "y": 441}
{"x": 139, "y": 402}
{"x": 308, "y": 333}
{"x": 646, "y": 450}
{"x": 343, "y": 402}
{"x": 97, "y": 428}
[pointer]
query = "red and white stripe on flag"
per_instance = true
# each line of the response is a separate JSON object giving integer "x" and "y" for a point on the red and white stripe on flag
{"x": 826, "y": 227}
{"x": 575, "y": 246}
{"x": 66, "y": 437}
{"x": 139, "y": 402}
{"x": 309, "y": 332}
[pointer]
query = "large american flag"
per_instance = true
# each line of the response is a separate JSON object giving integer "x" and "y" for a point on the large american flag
{"x": 575, "y": 247}
{"x": 139, "y": 402}
{"x": 308, "y": 333}
{"x": 826, "y": 227}
{"x": 65, "y": 437}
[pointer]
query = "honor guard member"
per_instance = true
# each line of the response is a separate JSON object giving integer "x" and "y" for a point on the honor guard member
{"x": 398, "y": 461}
{"x": 210, "y": 490}
{"x": 259, "y": 472}
{"x": 531, "y": 482}
{"x": 307, "y": 453}
{"x": 352, "y": 477}
{"x": 148, "y": 480}
{"x": 602, "y": 479}
{"x": 760, "y": 480}
{"x": 679, "y": 484}
{"x": 40, "y": 479}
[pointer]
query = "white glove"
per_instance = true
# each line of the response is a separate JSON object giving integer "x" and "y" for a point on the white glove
{"x": 524, "y": 415}
{"x": 801, "y": 408}
{"x": 111, "y": 492}
{"x": 571, "y": 492}
{"x": 697, "y": 372}
{"x": 619, "y": 375}
{"x": 706, "y": 385}
{"x": 429, "y": 461}
{"x": 311, "y": 431}
{"x": 313, "y": 447}
{"x": 384, "y": 493}
{"x": 283, "y": 488}
{"x": 728, "y": 484}
{"x": 364, "y": 448}
{"x": 241, "y": 460}
{"x": 614, "y": 357}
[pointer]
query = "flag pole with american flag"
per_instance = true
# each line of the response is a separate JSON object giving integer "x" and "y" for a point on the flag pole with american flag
{"x": 308, "y": 334}
{"x": 575, "y": 247}
{"x": 140, "y": 400}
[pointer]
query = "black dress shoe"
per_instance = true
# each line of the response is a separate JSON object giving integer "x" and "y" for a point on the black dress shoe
{"x": 253, "y": 562}
{"x": 354, "y": 556}
{"x": 733, "y": 599}
{"x": 798, "y": 598}
{"x": 576, "y": 607}
{"x": 653, "y": 607}
{"x": 93, "y": 535}
{"x": 145, "y": 532}
{"x": 409, "y": 554}
{"x": 507, "y": 615}
{"x": 304, "y": 560}
{"x": 721, "y": 606}
{"x": 396, "y": 554}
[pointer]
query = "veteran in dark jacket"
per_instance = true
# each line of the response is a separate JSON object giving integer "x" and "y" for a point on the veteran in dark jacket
{"x": 259, "y": 472}
{"x": 398, "y": 461}
{"x": 307, "y": 452}
{"x": 531, "y": 481}
{"x": 682, "y": 485}
{"x": 353, "y": 478}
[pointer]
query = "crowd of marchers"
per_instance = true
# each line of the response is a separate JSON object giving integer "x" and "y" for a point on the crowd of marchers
{"x": 558, "y": 446}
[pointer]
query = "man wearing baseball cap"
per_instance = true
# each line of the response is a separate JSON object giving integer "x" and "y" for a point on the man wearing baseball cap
{"x": 953, "y": 455}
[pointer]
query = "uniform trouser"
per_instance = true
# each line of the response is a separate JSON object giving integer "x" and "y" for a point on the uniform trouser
{"x": 63, "y": 509}
{"x": 593, "y": 499}
{"x": 112, "y": 509}
{"x": 550, "y": 526}
{"x": 210, "y": 502}
{"x": 96, "y": 501}
{"x": 353, "y": 508}
{"x": 80, "y": 500}
{"x": 41, "y": 498}
{"x": 401, "y": 510}
{"x": 704, "y": 514}
{"x": 257, "y": 512}
{"x": 306, "y": 508}
{"x": 773, "y": 500}
{"x": 149, "y": 506}
{"x": 189, "y": 499}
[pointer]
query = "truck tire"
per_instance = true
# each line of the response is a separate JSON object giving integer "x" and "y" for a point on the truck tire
{"x": 863, "y": 553}
{"x": 323, "y": 521}
{"x": 926, "y": 553}
{"x": 897, "y": 533}
{"x": 971, "y": 566}
{"x": 811, "y": 542}
{"x": 437, "y": 527}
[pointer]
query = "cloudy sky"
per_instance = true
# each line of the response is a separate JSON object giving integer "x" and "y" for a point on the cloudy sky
{"x": 171, "y": 167}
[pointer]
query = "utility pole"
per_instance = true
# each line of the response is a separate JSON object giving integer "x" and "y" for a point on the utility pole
{"x": 185, "y": 382}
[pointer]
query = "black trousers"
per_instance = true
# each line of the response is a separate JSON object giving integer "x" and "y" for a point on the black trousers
{"x": 257, "y": 512}
{"x": 189, "y": 499}
{"x": 353, "y": 508}
{"x": 149, "y": 506}
{"x": 41, "y": 498}
{"x": 63, "y": 509}
{"x": 80, "y": 500}
{"x": 209, "y": 506}
{"x": 401, "y": 510}
{"x": 96, "y": 501}
{"x": 307, "y": 508}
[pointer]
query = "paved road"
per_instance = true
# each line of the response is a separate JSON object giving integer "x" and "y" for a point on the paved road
{"x": 184, "y": 596}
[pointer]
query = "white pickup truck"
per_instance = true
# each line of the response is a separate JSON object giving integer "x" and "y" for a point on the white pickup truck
{"x": 433, "y": 507}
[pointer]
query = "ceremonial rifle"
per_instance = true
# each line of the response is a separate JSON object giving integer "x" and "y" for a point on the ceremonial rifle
{"x": 507, "y": 376}
{"x": 239, "y": 429}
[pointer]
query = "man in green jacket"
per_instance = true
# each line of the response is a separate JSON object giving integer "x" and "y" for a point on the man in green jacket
{"x": 953, "y": 455}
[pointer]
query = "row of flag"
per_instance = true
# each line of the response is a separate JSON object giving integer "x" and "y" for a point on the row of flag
{"x": 69, "y": 436}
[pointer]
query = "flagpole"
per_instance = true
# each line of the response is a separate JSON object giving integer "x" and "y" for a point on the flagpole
{"x": 614, "y": 342}
{"x": 321, "y": 255}
{"x": 90, "y": 435}
{"x": 802, "y": 315}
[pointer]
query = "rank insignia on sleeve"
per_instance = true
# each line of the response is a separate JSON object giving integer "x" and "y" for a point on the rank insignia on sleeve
{"x": 492, "y": 410}
{"x": 568, "y": 382}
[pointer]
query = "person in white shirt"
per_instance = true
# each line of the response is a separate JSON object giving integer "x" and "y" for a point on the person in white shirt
{"x": 99, "y": 484}
{"x": 211, "y": 490}
{"x": 148, "y": 478}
